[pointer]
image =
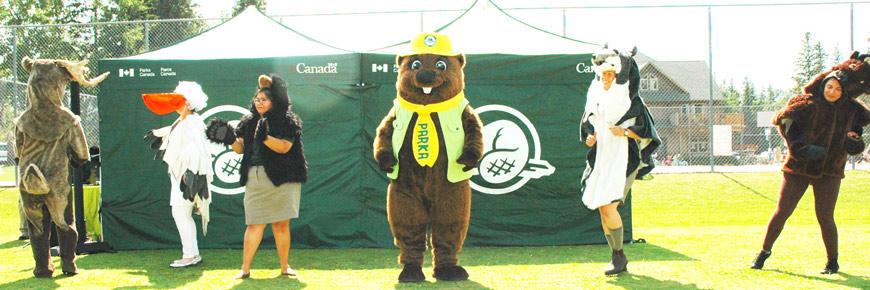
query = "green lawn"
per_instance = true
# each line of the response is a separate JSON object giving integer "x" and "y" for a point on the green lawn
{"x": 702, "y": 230}
{"x": 8, "y": 173}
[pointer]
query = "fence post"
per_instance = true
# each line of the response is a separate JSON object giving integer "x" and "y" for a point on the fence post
{"x": 710, "y": 50}
{"x": 15, "y": 90}
{"x": 147, "y": 37}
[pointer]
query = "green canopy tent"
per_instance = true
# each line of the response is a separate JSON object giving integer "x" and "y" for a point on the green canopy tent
{"x": 529, "y": 88}
{"x": 226, "y": 61}
{"x": 526, "y": 193}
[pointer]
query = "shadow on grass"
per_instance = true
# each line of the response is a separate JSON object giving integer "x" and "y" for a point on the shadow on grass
{"x": 280, "y": 282}
{"x": 34, "y": 283}
{"x": 632, "y": 281}
{"x": 851, "y": 280}
{"x": 360, "y": 259}
{"x": 14, "y": 244}
{"x": 467, "y": 284}
{"x": 748, "y": 187}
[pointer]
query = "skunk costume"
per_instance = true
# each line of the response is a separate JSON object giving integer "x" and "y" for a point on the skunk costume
{"x": 609, "y": 179}
{"x": 615, "y": 161}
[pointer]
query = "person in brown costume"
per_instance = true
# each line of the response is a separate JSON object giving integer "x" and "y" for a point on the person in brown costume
{"x": 48, "y": 138}
{"x": 820, "y": 127}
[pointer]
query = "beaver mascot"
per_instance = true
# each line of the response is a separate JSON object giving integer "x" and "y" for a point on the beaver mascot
{"x": 428, "y": 145}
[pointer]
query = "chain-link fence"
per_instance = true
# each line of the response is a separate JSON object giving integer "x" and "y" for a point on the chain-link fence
{"x": 697, "y": 129}
{"x": 79, "y": 42}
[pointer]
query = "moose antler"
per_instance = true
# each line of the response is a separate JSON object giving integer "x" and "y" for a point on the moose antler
{"x": 79, "y": 73}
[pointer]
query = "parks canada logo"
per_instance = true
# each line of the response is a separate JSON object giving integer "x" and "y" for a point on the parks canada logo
{"x": 512, "y": 152}
{"x": 225, "y": 162}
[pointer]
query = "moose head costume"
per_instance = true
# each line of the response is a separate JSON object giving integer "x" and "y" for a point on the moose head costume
{"x": 48, "y": 138}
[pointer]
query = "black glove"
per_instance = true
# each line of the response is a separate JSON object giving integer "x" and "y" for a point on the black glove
{"x": 157, "y": 141}
{"x": 853, "y": 146}
{"x": 812, "y": 152}
{"x": 220, "y": 132}
{"x": 262, "y": 130}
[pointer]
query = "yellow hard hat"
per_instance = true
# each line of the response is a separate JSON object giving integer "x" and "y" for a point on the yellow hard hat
{"x": 431, "y": 43}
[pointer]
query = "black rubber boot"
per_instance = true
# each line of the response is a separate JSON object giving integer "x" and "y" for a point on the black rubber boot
{"x": 832, "y": 267}
{"x": 618, "y": 263}
{"x": 758, "y": 262}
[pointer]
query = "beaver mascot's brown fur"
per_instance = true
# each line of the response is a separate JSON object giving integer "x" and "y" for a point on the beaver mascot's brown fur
{"x": 437, "y": 143}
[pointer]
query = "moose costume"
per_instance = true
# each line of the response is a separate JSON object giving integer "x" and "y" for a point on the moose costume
{"x": 820, "y": 127}
{"x": 428, "y": 145}
{"x": 614, "y": 162}
{"x": 48, "y": 138}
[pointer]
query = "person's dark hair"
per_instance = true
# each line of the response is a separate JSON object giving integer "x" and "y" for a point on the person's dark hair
{"x": 276, "y": 91}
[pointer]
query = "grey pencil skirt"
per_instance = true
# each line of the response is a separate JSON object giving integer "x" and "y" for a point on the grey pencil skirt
{"x": 266, "y": 203}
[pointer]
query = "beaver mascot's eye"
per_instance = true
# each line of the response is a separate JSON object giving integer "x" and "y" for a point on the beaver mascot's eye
{"x": 416, "y": 64}
{"x": 441, "y": 65}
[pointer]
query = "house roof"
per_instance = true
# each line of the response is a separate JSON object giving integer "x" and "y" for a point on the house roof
{"x": 691, "y": 76}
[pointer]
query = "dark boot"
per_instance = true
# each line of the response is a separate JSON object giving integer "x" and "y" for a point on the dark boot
{"x": 412, "y": 273}
{"x": 758, "y": 262}
{"x": 618, "y": 263}
{"x": 831, "y": 267}
{"x": 450, "y": 273}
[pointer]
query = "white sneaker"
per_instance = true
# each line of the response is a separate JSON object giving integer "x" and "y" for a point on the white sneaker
{"x": 186, "y": 262}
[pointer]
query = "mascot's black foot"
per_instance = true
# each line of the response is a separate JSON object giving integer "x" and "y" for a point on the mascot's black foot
{"x": 450, "y": 273}
{"x": 412, "y": 273}
{"x": 43, "y": 274}
{"x": 69, "y": 269}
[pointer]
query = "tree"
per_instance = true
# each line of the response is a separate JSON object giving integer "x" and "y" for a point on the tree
{"x": 810, "y": 62}
{"x": 731, "y": 94}
{"x": 837, "y": 57}
{"x": 242, "y": 4}
{"x": 129, "y": 39}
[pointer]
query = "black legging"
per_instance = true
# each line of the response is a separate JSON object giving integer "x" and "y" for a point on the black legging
{"x": 825, "y": 190}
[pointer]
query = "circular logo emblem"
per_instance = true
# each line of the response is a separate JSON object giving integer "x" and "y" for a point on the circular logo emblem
{"x": 226, "y": 163}
{"x": 430, "y": 40}
{"x": 512, "y": 151}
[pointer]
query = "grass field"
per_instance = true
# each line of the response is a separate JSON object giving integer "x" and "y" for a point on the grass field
{"x": 7, "y": 172}
{"x": 701, "y": 232}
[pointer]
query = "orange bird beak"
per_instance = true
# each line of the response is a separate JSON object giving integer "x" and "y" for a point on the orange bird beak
{"x": 163, "y": 103}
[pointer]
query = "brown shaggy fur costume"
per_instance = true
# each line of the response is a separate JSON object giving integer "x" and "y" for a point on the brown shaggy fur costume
{"x": 48, "y": 139}
{"x": 421, "y": 197}
{"x": 821, "y": 123}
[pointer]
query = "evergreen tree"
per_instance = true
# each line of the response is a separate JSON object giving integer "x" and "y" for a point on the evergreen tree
{"x": 809, "y": 63}
{"x": 837, "y": 57}
{"x": 731, "y": 94}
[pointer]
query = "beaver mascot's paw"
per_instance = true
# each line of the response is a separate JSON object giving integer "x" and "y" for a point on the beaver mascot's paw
{"x": 386, "y": 160}
{"x": 450, "y": 273}
{"x": 469, "y": 158}
{"x": 412, "y": 273}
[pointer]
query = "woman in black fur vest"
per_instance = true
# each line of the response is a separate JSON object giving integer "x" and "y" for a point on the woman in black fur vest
{"x": 273, "y": 169}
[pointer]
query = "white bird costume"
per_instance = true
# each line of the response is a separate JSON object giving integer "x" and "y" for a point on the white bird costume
{"x": 184, "y": 148}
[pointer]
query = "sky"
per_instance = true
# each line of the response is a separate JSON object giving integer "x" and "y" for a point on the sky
{"x": 760, "y": 42}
